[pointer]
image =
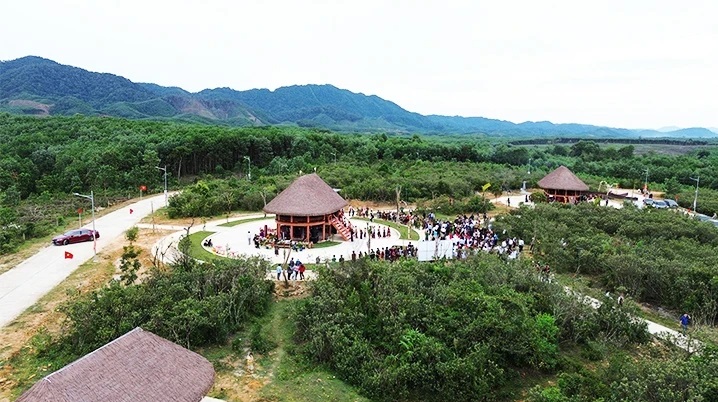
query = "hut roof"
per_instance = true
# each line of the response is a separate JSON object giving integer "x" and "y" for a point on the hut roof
{"x": 562, "y": 179}
{"x": 309, "y": 195}
{"x": 138, "y": 366}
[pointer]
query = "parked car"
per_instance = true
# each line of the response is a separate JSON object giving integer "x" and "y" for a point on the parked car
{"x": 75, "y": 236}
{"x": 648, "y": 201}
{"x": 660, "y": 204}
{"x": 671, "y": 203}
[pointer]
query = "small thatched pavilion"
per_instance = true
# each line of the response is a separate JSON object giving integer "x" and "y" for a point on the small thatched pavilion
{"x": 138, "y": 366}
{"x": 562, "y": 185}
{"x": 308, "y": 210}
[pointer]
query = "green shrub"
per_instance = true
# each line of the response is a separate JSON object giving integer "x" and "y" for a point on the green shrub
{"x": 260, "y": 342}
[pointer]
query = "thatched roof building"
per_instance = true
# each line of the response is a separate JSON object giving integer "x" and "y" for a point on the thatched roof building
{"x": 307, "y": 210}
{"x": 138, "y": 366}
{"x": 562, "y": 185}
{"x": 308, "y": 195}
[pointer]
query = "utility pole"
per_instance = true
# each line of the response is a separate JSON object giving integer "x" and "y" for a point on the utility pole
{"x": 164, "y": 169}
{"x": 249, "y": 168}
{"x": 398, "y": 197}
{"x": 91, "y": 197}
{"x": 645, "y": 184}
{"x": 697, "y": 179}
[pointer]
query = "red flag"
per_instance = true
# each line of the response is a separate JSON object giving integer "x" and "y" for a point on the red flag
{"x": 68, "y": 255}
{"x": 131, "y": 211}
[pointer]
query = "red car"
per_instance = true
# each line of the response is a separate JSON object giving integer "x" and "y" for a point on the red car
{"x": 75, "y": 236}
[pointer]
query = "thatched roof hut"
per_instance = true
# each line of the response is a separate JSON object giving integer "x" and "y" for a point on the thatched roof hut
{"x": 562, "y": 185}
{"x": 562, "y": 179}
{"x": 308, "y": 195}
{"x": 308, "y": 210}
{"x": 138, "y": 366}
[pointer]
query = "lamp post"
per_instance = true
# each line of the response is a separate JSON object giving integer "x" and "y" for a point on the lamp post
{"x": 335, "y": 156}
{"x": 697, "y": 179}
{"x": 523, "y": 187}
{"x": 645, "y": 183}
{"x": 164, "y": 169}
{"x": 249, "y": 168}
{"x": 91, "y": 197}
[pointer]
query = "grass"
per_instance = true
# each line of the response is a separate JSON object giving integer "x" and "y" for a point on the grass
{"x": 196, "y": 250}
{"x": 402, "y": 229}
{"x": 280, "y": 374}
{"x": 326, "y": 244}
{"x": 294, "y": 380}
{"x": 241, "y": 221}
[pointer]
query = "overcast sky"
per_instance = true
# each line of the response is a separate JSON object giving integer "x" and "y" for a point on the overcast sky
{"x": 620, "y": 63}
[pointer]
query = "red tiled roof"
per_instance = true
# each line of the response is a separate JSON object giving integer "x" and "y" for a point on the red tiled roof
{"x": 138, "y": 366}
{"x": 309, "y": 195}
{"x": 562, "y": 179}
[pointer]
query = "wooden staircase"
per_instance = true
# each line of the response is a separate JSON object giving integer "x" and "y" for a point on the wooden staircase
{"x": 342, "y": 229}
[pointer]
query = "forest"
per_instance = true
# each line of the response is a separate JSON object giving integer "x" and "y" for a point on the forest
{"x": 44, "y": 160}
{"x": 479, "y": 329}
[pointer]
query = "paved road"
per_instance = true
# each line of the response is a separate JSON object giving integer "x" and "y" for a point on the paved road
{"x": 659, "y": 331}
{"x": 25, "y": 284}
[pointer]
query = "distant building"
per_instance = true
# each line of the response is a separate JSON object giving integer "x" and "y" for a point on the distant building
{"x": 138, "y": 366}
{"x": 308, "y": 210}
{"x": 562, "y": 185}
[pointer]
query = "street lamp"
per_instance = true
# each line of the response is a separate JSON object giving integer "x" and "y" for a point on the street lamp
{"x": 335, "y": 156}
{"x": 249, "y": 168}
{"x": 645, "y": 184}
{"x": 164, "y": 169}
{"x": 695, "y": 199}
{"x": 91, "y": 197}
{"x": 523, "y": 186}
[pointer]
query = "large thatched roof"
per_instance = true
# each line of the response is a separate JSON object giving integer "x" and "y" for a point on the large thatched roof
{"x": 562, "y": 179}
{"x": 138, "y": 366}
{"x": 309, "y": 195}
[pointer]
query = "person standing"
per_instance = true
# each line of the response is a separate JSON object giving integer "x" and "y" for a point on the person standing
{"x": 249, "y": 238}
{"x": 301, "y": 271}
{"x": 279, "y": 271}
{"x": 685, "y": 322}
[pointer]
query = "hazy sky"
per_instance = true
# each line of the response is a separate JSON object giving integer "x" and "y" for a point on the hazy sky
{"x": 620, "y": 63}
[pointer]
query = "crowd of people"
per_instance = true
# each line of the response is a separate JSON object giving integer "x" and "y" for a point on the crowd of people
{"x": 471, "y": 234}
{"x": 295, "y": 271}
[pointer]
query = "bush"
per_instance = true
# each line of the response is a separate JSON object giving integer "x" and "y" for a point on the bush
{"x": 456, "y": 331}
{"x": 260, "y": 343}
{"x": 190, "y": 304}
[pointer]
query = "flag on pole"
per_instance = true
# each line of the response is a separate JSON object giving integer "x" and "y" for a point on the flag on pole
{"x": 485, "y": 186}
{"x": 131, "y": 211}
{"x": 68, "y": 255}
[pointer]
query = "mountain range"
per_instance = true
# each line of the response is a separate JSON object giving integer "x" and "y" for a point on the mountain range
{"x": 37, "y": 86}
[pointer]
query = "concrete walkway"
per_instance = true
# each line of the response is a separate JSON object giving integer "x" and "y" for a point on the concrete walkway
{"x": 236, "y": 241}
{"x": 684, "y": 342}
{"x": 23, "y": 285}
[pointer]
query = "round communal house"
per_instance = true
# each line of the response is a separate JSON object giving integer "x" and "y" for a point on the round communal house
{"x": 309, "y": 210}
{"x": 562, "y": 185}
